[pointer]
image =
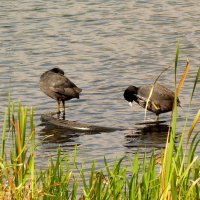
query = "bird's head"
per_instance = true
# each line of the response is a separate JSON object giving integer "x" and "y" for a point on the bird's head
{"x": 57, "y": 71}
{"x": 130, "y": 94}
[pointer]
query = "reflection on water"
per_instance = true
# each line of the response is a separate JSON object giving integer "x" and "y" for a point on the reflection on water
{"x": 147, "y": 136}
{"x": 51, "y": 134}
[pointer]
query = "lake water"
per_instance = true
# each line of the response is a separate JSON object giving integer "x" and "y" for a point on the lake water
{"x": 103, "y": 47}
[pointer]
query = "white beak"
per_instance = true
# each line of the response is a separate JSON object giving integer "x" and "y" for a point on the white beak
{"x": 130, "y": 104}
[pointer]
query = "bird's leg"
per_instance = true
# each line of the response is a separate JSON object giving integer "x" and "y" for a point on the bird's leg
{"x": 52, "y": 113}
{"x": 157, "y": 118}
{"x": 58, "y": 109}
{"x": 58, "y": 106}
{"x": 63, "y": 108}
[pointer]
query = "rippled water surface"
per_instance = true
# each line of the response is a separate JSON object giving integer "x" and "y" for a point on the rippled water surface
{"x": 103, "y": 46}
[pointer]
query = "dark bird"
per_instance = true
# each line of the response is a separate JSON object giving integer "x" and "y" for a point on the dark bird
{"x": 161, "y": 100}
{"x": 57, "y": 86}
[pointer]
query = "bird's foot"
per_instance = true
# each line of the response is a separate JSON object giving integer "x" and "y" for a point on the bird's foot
{"x": 60, "y": 115}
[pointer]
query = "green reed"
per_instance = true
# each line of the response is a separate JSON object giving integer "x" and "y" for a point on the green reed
{"x": 55, "y": 180}
{"x": 18, "y": 170}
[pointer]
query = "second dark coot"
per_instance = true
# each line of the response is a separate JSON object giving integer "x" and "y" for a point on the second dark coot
{"x": 161, "y": 100}
{"x": 57, "y": 86}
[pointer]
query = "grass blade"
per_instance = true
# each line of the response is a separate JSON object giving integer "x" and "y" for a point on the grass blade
{"x": 193, "y": 125}
{"x": 183, "y": 77}
{"x": 3, "y": 137}
{"x": 195, "y": 83}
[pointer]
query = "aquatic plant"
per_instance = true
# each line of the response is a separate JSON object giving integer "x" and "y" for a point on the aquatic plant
{"x": 17, "y": 172}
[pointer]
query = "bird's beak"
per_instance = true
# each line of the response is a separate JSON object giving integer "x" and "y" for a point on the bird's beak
{"x": 130, "y": 104}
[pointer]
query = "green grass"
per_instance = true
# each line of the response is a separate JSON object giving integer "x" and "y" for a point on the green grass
{"x": 173, "y": 174}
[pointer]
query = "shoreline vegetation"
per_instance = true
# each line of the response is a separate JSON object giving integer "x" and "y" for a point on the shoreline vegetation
{"x": 173, "y": 174}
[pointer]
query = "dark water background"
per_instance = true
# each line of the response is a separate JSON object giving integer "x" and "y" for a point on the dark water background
{"x": 103, "y": 46}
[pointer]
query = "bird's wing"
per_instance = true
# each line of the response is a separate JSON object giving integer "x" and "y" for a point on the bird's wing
{"x": 159, "y": 99}
{"x": 160, "y": 93}
{"x": 62, "y": 82}
{"x": 65, "y": 92}
{"x": 63, "y": 86}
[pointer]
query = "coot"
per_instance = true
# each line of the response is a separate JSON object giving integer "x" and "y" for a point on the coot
{"x": 161, "y": 100}
{"x": 57, "y": 86}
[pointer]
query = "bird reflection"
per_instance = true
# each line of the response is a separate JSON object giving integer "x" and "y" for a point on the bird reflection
{"x": 148, "y": 136}
{"x": 56, "y": 135}
{"x": 52, "y": 134}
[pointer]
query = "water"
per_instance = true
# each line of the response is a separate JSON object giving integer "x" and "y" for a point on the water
{"x": 103, "y": 47}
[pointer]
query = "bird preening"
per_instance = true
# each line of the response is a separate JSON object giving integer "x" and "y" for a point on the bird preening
{"x": 57, "y": 86}
{"x": 160, "y": 101}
